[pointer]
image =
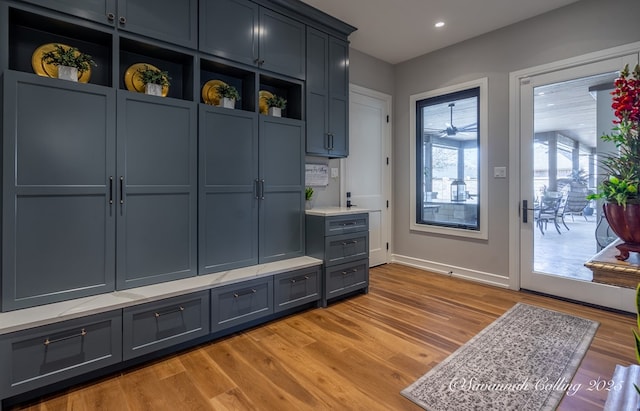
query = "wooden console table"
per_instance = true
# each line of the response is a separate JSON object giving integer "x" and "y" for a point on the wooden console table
{"x": 607, "y": 269}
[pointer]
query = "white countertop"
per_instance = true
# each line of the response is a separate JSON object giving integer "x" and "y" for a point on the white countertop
{"x": 331, "y": 211}
{"x": 51, "y": 313}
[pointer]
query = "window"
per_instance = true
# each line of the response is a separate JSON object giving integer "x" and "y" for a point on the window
{"x": 448, "y": 171}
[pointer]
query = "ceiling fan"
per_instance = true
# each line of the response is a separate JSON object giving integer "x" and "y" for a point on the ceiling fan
{"x": 451, "y": 130}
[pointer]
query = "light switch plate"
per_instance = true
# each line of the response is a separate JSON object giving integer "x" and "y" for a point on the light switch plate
{"x": 334, "y": 172}
{"x": 500, "y": 172}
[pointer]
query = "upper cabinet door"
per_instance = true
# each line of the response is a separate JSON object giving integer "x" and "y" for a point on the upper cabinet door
{"x": 229, "y": 29}
{"x": 102, "y": 11}
{"x": 242, "y": 31}
{"x": 168, "y": 20}
{"x": 282, "y": 44}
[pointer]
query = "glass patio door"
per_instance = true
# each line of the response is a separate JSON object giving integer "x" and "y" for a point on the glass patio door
{"x": 562, "y": 115}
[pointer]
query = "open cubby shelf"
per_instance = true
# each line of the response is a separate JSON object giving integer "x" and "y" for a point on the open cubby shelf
{"x": 178, "y": 65}
{"x": 243, "y": 80}
{"x": 28, "y": 31}
{"x": 290, "y": 90}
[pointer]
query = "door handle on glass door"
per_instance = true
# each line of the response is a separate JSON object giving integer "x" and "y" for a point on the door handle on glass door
{"x": 525, "y": 208}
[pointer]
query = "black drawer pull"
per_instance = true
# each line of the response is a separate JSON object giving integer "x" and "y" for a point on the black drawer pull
{"x": 82, "y": 333}
{"x": 176, "y": 310}
{"x": 305, "y": 278}
{"x": 349, "y": 223}
{"x": 252, "y": 291}
{"x": 354, "y": 270}
{"x": 350, "y": 242}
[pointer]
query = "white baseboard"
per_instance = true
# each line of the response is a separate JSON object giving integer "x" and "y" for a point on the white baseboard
{"x": 453, "y": 271}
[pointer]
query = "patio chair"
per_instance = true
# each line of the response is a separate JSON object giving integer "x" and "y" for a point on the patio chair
{"x": 576, "y": 202}
{"x": 550, "y": 209}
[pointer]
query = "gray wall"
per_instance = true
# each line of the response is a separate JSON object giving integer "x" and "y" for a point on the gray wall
{"x": 582, "y": 27}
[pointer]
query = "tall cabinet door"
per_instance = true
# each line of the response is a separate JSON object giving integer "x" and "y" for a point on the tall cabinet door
{"x": 338, "y": 71}
{"x": 229, "y": 189}
{"x": 282, "y": 173}
{"x": 58, "y": 221}
{"x": 157, "y": 189}
{"x": 169, "y": 20}
{"x": 229, "y": 29}
{"x": 317, "y": 141}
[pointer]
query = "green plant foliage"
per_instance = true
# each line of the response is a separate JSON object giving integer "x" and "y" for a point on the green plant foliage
{"x": 227, "y": 91}
{"x": 308, "y": 193}
{"x": 149, "y": 75}
{"x": 69, "y": 56}
{"x": 623, "y": 168}
{"x": 276, "y": 101}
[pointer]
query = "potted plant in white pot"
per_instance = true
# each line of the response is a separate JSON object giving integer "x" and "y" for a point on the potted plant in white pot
{"x": 154, "y": 80}
{"x": 276, "y": 104}
{"x": 228, "y": 95}
{"x": 619, "y": 189}
{"x": 70, "y": 61}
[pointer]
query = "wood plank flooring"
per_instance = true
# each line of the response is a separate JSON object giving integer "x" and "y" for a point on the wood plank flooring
{"x": 357, "y": 354}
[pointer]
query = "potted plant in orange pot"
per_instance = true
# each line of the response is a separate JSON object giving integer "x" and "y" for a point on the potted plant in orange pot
{"x": 619, "y": 189}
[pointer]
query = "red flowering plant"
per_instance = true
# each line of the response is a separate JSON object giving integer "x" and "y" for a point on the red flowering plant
{"x": 623, "y": 168}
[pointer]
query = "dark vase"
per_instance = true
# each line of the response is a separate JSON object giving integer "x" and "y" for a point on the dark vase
{"x": 625, "y": 222}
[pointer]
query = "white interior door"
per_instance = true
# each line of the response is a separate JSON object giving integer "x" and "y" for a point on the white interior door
{"x": 367, "y": 172}
{"x": 553, "y": 250}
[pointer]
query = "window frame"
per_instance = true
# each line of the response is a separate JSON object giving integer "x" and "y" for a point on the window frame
{"x": 483, "y": 223}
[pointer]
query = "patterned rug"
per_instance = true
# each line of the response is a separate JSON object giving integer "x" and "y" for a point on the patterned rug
{"x": 524, "y": 360}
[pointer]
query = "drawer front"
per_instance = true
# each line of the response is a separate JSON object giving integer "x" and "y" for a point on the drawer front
{"x": 239, "y": 303}
{"x": 345, "y": 278}
{"x": 296, "y": 288}
{"x": 347, "y": 224}
{"x": 40, "y": 356}
{"x": 153, "y": 326}
{"x": 340, "y": 249}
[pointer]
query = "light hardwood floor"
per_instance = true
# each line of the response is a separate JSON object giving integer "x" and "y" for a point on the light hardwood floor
{"x": 357, "y": 354}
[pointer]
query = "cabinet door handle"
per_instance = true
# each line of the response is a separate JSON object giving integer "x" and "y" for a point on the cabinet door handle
{"x": 350, "y": 242}
{"x": 262, "y": 189}
{"x": 175, "y": 310}
{"x": 111, "y": 16}
{"x": 123, "y": 19}
{"x": 330, "y": 141}
{"x": 256, "y": 188}
{"x": 304, "y": 278}
{"x": 82, "y": 333}
{"x": 110, "y": 189}
{"x": 240, "y": 294}
{"x": 349, "y": 223}
{"x": 121, "y": 190}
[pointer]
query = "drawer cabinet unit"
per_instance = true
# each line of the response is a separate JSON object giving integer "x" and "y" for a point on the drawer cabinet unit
{"x": 342, "y": 241}
{"x": 344, "y": 278}
{"x": 153, "y": 326}
{"x": 240, "y": 303}
{"x": 48, "y": 354}
{"x": 297, "y": 288}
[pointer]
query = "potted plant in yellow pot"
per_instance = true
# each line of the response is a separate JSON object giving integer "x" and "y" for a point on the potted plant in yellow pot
{"x": 70, "y": 61}
{"x": 619, "y": 188}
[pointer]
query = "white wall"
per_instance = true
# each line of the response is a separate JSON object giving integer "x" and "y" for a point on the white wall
{"x": 580, "y": 28}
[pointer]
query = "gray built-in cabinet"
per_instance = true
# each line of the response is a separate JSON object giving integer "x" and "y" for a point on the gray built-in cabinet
{"x": 167, "y": 20}
{"x": 327, "y": 95}
{"x": 87, "y": 206}
{"x": 251, "y": 203}
{"x": 248, "y": 33}
{"x": 106, "y": 189}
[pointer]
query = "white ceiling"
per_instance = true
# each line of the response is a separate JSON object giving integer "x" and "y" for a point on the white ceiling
{"x": 398, "y": 30}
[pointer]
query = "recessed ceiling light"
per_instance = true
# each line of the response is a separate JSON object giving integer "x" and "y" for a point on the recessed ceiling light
{"x": 439, "y": 24}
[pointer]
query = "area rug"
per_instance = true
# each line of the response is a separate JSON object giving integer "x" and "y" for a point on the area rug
{"x": 524, "y": 360}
